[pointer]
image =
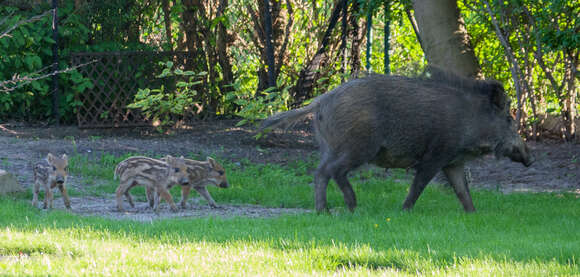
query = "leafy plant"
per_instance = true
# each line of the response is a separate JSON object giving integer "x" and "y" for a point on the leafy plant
{"x": 162, "y": 105}
{"x": 259, "y": 107}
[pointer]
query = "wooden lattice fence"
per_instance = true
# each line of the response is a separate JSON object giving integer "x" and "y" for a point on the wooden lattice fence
{"x": 116, "y": 78}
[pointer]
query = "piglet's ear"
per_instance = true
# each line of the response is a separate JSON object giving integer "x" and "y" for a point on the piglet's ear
{"x": 211, "y": 161}
{"x": 169, "y": 159}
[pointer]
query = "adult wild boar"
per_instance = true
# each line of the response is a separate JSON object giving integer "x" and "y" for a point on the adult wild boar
{"x": 425, "y": 123}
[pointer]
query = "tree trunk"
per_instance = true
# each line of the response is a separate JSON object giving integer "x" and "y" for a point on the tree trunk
{"x": 222, "y": 49}
{"x": 444, "y": 38}
{"x": 167, "y": 21}
{"x": 343, "y": 36}
{"x": 279, "y": 44}
{"x": 192, "y": 40}
{"x": 269, "y": 48}
{"x": 571, "y": 93}
{"x": 356, "y": 40}
{"x": 305, "y": 84}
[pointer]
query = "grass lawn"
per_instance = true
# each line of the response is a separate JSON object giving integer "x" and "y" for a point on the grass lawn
{"x": 520, "y": 234}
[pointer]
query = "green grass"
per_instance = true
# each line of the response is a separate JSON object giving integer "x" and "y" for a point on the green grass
{"x": 516, "y": 234}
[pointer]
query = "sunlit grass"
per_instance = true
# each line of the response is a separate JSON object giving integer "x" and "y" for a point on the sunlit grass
{"x": 517, "y": 234}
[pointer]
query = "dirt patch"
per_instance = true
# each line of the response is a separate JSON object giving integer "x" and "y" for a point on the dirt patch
{"x": 106, "y": 207}
{"x": 557, "y": 166}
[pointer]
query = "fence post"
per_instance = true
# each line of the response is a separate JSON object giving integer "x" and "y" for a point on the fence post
{"x": 387, "y": 34}
{"x": 54, "y": 86}
{"x": 369, "y": 34}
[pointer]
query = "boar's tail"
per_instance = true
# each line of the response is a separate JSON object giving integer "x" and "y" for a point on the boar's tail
{"x": 289, "y": 118}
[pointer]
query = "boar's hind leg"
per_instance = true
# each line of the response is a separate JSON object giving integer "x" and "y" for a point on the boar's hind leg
{"x": 345, "y": 186}
{"x": 455, "y": 175}
{"x": 337, "y": 169}
{"x": 321, "y": 178}
{"x": 340, "y": 169}
{"x": 320, "y": 182}
{"x": 422, "y": 177}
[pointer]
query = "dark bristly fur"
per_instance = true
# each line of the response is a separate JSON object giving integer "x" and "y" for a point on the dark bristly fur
{"x": 428, "y": 123}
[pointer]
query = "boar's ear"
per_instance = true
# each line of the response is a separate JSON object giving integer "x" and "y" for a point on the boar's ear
{"x": 169, "y": 159}
{"x": 49, "y": 157}
{"x": 64, "y": 157}
{"x": 211, "y": 161}
{"x": 497, "y": 95}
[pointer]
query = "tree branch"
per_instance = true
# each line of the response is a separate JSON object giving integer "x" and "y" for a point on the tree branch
{"x": 22, "y": 22}
{"x": 286, "y": 38}
{"x": 18, "y": 81}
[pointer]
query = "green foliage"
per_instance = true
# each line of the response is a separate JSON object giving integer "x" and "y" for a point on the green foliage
{"x": 405, "y": 53}
{"x": 137, "y": 25}
{"x": 161, "y": 105}
{"x": 254, "y": 107}
{"x": 28, "y": 49}
{"x": 544, "y": 39}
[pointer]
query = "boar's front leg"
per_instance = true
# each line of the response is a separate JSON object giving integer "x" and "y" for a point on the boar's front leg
{"x": 48, "y": 197}
{"x": 65, "y": 197}
{"x": 164, "y": 193}
{"x": 184, "y": 195}
{"x": 456, "y": 176}
{"x": 35, "y": 192}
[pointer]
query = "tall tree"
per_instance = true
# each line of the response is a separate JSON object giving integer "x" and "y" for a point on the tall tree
{"x": 357, "y": 37}
{"x": 268, "y": 44}
{"x": 280, "y": 18}
{"x": 444, "y": 38}
{"x": 223, "y": 40}
{"x": 167, "y": 21}
{"x": 307, "y": 77}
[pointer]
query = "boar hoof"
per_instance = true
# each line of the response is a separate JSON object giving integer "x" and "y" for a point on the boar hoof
{"x": 469, "y": 210}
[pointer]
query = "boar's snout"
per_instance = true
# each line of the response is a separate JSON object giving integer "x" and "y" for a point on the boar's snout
{"x": 60, "y": 180}
{"x": 184, "y": 181}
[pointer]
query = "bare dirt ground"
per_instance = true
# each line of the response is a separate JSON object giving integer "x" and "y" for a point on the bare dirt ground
{"x": 557, "y": 167}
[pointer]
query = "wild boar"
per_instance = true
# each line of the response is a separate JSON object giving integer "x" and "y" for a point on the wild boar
{"x": 201, "y": 174}
{"x": 154, "y": 174}
{"x": 427, "y": 123}
{"x": 51, "y": 172}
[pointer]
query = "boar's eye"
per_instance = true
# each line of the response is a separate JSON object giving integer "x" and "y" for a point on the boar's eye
{"x": 176, "y": 170}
